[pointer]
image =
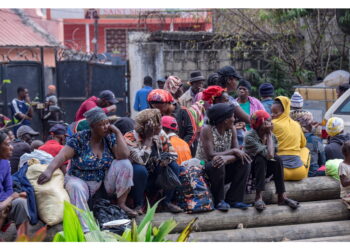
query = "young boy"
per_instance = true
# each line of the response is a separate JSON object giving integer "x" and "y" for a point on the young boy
{"x": 170, "y": 126}
{"x": 344, "y": 174}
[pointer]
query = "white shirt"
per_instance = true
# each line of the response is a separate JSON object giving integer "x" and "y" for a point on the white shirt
{"x": 344, "y": 169}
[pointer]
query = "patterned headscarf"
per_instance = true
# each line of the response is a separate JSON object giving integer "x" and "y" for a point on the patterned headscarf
{"x": 335, "y": 126}
{"x": 211, "y": 92}
{"x": 258, "y": 118}
{"x": 172, "y": 84}
{"x": 147, "y": 115}
{"x": 95, "y": 115}
{"x": 305, "y": 118}
{"x": 160, "y": 95}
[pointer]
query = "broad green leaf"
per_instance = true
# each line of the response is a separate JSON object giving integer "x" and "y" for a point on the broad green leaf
{"x": 185, "y": 234}
{"x": 149, "y": 215}
{"x": 164, "y": 229}
{"x": 155, "y": 230}
{"x": 134, "y": 236}
{"x": 143, "y": 233}
{"x": 149, "y": 237}
{"x": 72, "y": 228}
{"x": 59, "y": 237}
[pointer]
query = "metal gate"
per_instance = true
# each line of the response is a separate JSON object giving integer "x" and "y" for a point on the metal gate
{"x": 27, "y": 74}
{"x": 78, "y": 80}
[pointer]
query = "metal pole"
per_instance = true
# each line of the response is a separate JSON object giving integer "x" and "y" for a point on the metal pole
{"x": 96, "y": 36}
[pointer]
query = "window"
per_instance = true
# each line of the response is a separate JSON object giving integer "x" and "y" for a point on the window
{"x": 344, "y": 108}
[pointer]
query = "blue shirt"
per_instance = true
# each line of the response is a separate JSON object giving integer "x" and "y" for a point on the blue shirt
{"x": 85, "y": 164}
{"x": 267, "y": 105}
{"x": 141, "y": 98}
{"x": 17, "y": 107}
{"x": 5, "y": 180}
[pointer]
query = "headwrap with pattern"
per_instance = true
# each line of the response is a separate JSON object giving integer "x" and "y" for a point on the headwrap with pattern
{"x": 258, "y": 118}
{"x": 147, "y": 115}
{"x": 211, "y": 93}
{"x": 172, "y": 84}
{"x": 160, "y": 95}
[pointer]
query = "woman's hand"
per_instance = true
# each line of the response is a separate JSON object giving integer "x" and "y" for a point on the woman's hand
{"x": 245, "y": 158}
{"x": 219, "y": 161}
{"x": 240, "y": 125}
{"x": 45, "y": 177}
{"x": 113, "y": 129}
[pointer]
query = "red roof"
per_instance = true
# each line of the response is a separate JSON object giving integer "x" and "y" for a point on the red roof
{"x": 14, "y": 33}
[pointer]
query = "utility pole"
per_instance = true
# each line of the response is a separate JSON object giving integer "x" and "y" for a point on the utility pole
{"x": 92, "y": 14}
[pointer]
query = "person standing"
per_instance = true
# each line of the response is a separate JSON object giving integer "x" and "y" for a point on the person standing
{"x": 22, "y": 111}
{"x": 266, "y": 91}
{"x": 51, "y": 91}
{"x": 106, "y": 101}
{"x": 141, "y": 95}
{"x": 196, "y": 81}
{"x": 161, "y": 82}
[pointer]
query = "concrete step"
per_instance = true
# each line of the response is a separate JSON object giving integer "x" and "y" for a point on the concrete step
{"x": 345, "y": 238}
{"x": 273, "y": 215}
{"x": 275, "y": 233}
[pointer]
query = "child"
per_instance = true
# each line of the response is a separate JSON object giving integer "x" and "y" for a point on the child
{"x": 344, "y": 174}
{"x": 170, "y": 126}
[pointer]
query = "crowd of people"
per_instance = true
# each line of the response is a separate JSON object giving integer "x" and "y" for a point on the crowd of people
{"x": 238, "y": 139}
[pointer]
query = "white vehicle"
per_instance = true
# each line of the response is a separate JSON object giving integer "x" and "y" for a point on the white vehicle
{"x": 341, "y": 109}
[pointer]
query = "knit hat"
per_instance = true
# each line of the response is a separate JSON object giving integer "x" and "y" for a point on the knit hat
{"x": 266, "y": 90}
{"x": 334, "y": 126}
{"x": 95, "y": 115}
{"x": 246, "y": 84}
{"x": 297, "y": 100}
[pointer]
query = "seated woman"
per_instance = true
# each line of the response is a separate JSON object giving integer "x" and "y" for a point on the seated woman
{"x": 335, "y": 129}
{"x": 13, "y": 207}
{"x": 260, "y": 144}
{"x": 93, "y": 153}
{"x": 147, "y": 143}
{"x": 291, "y": 141}
{"x": 225, "y": 163}
{"x": 314, "y": 143}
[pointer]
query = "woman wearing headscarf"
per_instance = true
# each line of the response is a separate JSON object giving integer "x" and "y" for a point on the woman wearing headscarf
{"x": 337, "y": 137}
{"x": 98, "y": 155}
{"x": 314, "y": 143}
{"x": 150, "y": 150}
{"x": 261, "y": 145}
{"x": 13, "y": 206}
{"x": 224, "y": 161}
{"x": 291, "y": 141}
{"x": 164, "y": 101}
{"x": 215, "y": 94}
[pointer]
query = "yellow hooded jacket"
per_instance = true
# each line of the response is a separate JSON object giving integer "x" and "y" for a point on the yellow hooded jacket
{"x": 288, "y": 132}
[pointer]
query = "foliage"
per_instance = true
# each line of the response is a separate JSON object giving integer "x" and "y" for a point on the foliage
{"x": 296, "y": 46}
{"x": 145, "y": 232}
{"x": 23, "y": 237}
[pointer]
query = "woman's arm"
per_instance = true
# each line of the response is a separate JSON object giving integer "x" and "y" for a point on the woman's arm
{"x": 64, "y": 155}
{"x": 120, "y": 149}
{"x": 239, "y": 113}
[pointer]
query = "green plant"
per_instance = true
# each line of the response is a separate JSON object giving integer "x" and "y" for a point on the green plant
{"x": 37, "y": 237}
{"x": 144, "y": 232}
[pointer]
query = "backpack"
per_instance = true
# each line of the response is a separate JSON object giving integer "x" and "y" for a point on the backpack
{"x": 194, "y": 195}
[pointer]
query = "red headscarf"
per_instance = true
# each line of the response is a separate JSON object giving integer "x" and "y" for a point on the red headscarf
{"x": 160, "y": 95}
{"x": 211, "y": 92}
{"x": 258, "y": 118}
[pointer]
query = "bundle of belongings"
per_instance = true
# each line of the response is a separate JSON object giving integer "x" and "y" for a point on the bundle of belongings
{"x": 50, "y": 196}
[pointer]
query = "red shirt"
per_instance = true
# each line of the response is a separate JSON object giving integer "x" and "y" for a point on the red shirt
{"x": 52, "y": 147}
{"x": 86, "y": 106}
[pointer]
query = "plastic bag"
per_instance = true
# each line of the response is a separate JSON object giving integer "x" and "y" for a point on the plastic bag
{"x": 332, "y": 167}
{"x": 49, "y": 196}
{"x": 167, "y": 179}
{"x": 42, "y": 156}
{"x": 105, "y": 212}
{"x": 337, "y": 78}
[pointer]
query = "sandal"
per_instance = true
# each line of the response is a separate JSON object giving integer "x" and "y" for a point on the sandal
{"x": 289, "y": 202}
{"x": 260, "y": 205}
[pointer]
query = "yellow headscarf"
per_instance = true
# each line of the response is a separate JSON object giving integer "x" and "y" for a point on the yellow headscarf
{"x": 287, "y": 131}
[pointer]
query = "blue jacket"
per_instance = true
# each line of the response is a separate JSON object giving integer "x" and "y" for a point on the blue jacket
{"x": 141, "y": 98}
{"x": 22, "y": 184}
